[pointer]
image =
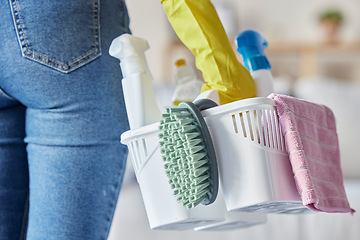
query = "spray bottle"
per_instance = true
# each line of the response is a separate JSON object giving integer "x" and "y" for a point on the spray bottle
{"x": 141, "y": 105}
{"x": 251, "y": 45}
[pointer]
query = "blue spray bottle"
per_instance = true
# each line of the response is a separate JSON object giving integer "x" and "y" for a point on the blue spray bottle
{"x": 251, "y": 45}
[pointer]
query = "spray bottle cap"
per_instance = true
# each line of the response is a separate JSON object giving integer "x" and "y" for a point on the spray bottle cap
{"x": 251, "y": 45}
{"x": 128, "y": 45}
{"x": 132, "y": 49}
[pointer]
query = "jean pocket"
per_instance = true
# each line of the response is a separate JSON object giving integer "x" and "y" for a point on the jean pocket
{"x": 63, "y": 35}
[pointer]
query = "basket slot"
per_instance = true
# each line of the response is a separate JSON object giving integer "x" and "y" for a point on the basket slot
{"x": 261, "y": 126}
{"x": 234, "y": 121}
{"x": 265, "y": 128}
{"x": 270, "y": 129}
{"x": 144, "y": 147}
{"x": 251, "y": 125}
{"x": 241, "y": 124}
{"x": 135, "y": 156}
{"x": 137, "y": 152}
{"x": 259, "y": 116}
{"x": 247, "y": 124}
{"x": 255, "y": 126}
{"x": 141, "y": 153}
{"x": 274, "y": 129}
{"x": 278, "y": 133}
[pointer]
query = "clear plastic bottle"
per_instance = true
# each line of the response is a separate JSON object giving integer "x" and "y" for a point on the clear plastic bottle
{"x": 188, "y": 86}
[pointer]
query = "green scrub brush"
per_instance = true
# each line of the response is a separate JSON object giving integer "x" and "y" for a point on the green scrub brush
{"x": 188, "y": 153}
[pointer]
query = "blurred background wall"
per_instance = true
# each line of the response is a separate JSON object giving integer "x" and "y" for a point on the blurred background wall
{"x": 291, "y": 24}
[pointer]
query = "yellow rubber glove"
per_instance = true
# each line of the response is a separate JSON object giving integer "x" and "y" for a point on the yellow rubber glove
{"x": 198, "y": 26}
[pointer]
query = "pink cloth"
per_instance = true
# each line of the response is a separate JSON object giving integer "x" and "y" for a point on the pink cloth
{"x": 312, "y": 144}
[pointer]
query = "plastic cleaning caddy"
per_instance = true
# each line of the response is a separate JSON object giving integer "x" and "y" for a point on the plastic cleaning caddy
{"x": 163, "y": 210}
{"x": 255, "y": 170}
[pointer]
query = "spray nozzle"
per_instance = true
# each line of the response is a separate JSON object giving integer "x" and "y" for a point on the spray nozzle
{"x": 127, "y": 45}
{"x": 133, "y": 49}
{"x": 251, "y": 45}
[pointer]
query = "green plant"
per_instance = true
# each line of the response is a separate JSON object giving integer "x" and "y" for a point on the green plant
{"x": 332, "y": 15}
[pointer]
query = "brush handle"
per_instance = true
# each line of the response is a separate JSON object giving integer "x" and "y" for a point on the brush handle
{"x": 203, "y": 104}
{"x": 194, "y": 109}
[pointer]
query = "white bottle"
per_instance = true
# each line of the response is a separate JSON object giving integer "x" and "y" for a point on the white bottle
{"x": 264, "y": 82}
{"x": 251, "y": 46}
{"x": 188, "y": 86}
{"x": 140, "y": 101}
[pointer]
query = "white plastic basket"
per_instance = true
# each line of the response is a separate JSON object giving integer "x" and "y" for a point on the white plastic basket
{"x": 162, "y": 208}
{"x": 233, "y": 220}
{"x": 254, "y": 167}
{"x": 255, "y": 170}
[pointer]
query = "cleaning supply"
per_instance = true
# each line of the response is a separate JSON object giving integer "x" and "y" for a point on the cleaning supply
{"x": 251, "y": 45}
{"x": 254, "y": 167}
{"x": 188, "y": 86}
{"x": 188, "y": 153}
{"x": 198, "y": 26}
{"x": 311, "y": 141}
{"x": 211, "y": 94}
{"x": 141, "y": 105}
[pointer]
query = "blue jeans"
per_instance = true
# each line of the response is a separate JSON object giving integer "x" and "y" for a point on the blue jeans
{"x": 61, "y": 116}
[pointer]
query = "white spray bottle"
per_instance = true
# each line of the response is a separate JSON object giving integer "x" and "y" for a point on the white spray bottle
{"x": 251, "y": 45}
{"x": 140, "y": 101}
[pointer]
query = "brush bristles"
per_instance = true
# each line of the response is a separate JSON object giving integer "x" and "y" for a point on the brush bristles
{"x": 185, "y": 157}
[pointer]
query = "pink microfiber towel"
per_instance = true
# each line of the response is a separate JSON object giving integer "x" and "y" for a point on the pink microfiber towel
{"x": 312, "y": 144}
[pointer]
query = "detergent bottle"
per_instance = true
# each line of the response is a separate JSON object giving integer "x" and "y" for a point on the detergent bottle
{"x": 188, "y": 86}
{"x": 251, "y": 45}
